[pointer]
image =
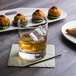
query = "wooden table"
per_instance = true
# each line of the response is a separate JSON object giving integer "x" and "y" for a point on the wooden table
{"x": 66, "y": 65}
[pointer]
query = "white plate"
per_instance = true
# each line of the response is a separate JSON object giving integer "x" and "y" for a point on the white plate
{"x": 27, "y": 12}
{"x": 69, "y": 25}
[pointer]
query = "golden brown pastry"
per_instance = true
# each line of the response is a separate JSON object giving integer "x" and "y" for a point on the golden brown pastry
{"x": 4, "y": 22}
{"x": 71, "y": 31}
{"x": 38, "y": 16}
{"x": 54, "y": 12}
{"x": 17, "y": 17}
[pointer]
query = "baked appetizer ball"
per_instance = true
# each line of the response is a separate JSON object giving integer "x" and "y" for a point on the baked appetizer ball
{"x": 54, "y": 13}
{"x": 23, "y": 20}
{"x": 4, "y": 22}
{"x": 37, "y": 16}
{"x": 71, "y": 31}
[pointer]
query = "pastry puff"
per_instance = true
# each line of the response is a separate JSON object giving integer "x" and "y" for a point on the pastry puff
{"x": 71, "y": 31}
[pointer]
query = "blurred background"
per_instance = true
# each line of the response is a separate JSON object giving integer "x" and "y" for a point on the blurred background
{"x": 4, "y": 4}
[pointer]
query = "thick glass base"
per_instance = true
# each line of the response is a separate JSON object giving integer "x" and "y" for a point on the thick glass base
{"x": 30, "y": 56}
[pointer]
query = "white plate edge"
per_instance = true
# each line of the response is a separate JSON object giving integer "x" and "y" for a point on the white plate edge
{"x": 64, "y": 34}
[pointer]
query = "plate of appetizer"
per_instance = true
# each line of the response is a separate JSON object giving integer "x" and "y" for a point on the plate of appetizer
{"x": 69, "y": 31}
{"x": 9, "y": 18}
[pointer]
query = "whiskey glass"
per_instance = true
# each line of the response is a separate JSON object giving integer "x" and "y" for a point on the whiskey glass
{"x": 32, "y": 40}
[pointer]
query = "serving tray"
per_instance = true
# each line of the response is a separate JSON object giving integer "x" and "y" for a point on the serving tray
{"x": 28, "y": 13}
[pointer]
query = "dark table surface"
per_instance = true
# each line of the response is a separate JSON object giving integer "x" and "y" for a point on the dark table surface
{"x": 66, "y": 65}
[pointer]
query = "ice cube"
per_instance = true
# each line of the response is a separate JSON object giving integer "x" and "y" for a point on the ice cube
{"x": 38, "y": 34}
{"x": 41, "y": 30}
